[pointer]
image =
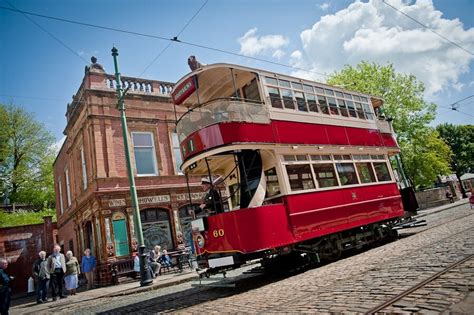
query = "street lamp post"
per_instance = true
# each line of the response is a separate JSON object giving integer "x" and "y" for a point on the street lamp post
{"x": 145, "y": 275}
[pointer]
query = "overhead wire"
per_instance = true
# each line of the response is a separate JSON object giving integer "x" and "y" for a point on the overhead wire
{"x": 171, "y": 42}
{"x": 48, "y": 32}
{"x": 429, "y": 29}
{"x": 174, "y": 39}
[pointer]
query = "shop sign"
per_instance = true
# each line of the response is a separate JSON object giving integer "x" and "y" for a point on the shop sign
{"x": 154, "y": 199}
{"x": 116, "y": 202}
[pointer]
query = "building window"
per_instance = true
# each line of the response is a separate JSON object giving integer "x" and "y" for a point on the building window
{"x": 145, "y": 156}
{"x": 178, "y": 158}
{"x": 84, "y": 170}
{"x": 68, "y": 187}
{"x": 60, "y": 189}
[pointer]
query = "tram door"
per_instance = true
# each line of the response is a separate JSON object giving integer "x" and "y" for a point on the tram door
{"x": 156, "y": 228}
{"x": 250, "y": 169}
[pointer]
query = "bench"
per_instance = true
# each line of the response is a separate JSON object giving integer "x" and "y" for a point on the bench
{"x": 180, "y": 259}
{"x": 122, "y": 268}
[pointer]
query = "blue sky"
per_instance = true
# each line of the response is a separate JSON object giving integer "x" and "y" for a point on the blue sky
{"x": 40, "y": 74}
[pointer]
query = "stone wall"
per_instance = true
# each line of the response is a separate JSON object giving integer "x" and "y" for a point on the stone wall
{"x": 433, "y": 197}
{"x": 20, "y": 246}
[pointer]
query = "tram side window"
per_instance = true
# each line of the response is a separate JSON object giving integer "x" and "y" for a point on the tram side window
{"x": 287, "y": 96}
{"x": 323, "y": 104}
{"x": 325, "y": 175}
{"x": 342, "y": 107}
{"x": 274, "y": 97}
{"x": 312, "y": 104}
{"x": 333, "y": 106}
{"x": 352, "y": 111}
{"x": 367, "y": 111}
{"x": 300, "y": 177}
{"x": 366, "y": 174}
{"x": 273, "y": 186}
{"x": 381, "y": 170}
{"x": 359, "y": 110}
{"x": 347, "y": 173}
{"x": 300, "y": 102}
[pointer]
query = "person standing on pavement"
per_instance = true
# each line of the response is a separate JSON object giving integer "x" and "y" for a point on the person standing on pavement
{"x": 5, "y": 290}
{"x": 41, "y": 276}
{"x": 88, "y": 268}
{"x": 72, "y": 270}
{"x": 57, "y": 268}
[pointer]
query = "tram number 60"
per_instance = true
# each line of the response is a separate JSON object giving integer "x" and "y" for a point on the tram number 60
{"x": 218, "y": 233}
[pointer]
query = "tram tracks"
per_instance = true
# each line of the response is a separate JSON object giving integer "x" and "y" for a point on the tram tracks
{"x": 418, "y": 286}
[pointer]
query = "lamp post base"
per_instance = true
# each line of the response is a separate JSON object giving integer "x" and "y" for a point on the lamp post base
{"x": 145, "y": 271}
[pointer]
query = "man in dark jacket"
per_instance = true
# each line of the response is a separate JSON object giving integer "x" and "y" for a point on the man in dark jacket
{"x": 212, "y": 200}
{"x": 5, "y": 290}
{"x": 41, "y": 276}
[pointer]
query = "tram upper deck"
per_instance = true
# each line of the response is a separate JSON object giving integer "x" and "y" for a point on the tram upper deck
{"x": 225, "y": 93}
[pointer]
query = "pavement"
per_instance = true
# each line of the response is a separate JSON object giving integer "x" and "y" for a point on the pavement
{"x": 24, "y": 304}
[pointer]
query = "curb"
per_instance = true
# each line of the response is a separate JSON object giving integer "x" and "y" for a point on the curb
{"x": 450, "y": 206}
{"x": 151, "y": 287}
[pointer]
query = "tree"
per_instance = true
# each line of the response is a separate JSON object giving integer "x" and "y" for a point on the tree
{"x": 26, "y": 164}
{"x": 461, "y": 141}
{"x": 424, "y": 155}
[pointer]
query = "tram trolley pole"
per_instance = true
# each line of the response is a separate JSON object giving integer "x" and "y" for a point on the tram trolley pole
{"x": 145, "y": 273}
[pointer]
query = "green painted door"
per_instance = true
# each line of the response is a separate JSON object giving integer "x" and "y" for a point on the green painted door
{"x": 121, "y": 238}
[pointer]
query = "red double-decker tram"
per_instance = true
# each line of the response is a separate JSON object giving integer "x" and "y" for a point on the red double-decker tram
{"x": 302, "y": 167}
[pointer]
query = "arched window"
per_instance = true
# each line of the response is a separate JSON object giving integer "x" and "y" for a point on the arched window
{"x": 156, "y": 228}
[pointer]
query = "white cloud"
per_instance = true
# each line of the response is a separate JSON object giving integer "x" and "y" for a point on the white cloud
{"x": 375, "y": 32}
{"x": 251, "y": 44}
{"x": 325, "y": 6}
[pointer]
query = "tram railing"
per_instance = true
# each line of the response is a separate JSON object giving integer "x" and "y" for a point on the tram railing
{"x": 222, "y": 110}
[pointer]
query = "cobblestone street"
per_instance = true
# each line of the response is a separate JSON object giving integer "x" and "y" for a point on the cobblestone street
{"x": 354, "y": 284}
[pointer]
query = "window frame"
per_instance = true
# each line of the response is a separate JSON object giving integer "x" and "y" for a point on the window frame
{"x": 177, "y": 170}
{"x": 68, "y": 187}
{"x": 155, "y": 162}
{"x": 84, "y": 168}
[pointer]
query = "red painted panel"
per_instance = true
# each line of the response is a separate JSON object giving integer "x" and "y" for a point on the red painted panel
{"x": 300, "y": 133}
{"x": 337, "y": 135}
{"x": 283, "y": 132}
{"x": 316, "y": 214}
{"x": 364, "y": 137}
{"x": 249, "y": 230}
{"x": 266, "y": 227}
{"x": 389, "y": 140}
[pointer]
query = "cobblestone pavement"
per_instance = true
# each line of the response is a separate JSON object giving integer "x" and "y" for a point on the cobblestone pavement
{"x": 354, "y": 284}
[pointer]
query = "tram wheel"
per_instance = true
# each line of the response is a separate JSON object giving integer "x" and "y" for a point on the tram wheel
{"x": 330, "y": 251}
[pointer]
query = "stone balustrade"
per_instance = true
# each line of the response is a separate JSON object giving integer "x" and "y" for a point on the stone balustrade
{"x": 141, "y": 86}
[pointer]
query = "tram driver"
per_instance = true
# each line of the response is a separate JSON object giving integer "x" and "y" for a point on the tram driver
{"x": 212, "y": 203}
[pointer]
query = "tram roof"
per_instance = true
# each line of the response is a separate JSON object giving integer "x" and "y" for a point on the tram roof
{"x": 214, "y": 73}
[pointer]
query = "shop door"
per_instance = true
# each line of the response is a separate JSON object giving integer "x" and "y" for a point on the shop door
{"x": 121, "y": 238}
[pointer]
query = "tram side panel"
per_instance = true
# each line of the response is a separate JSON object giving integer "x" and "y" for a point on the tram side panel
{"x": 322, "y": 213}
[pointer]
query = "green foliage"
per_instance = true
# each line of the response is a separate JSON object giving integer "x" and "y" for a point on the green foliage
{"x": 19, "y": 218}
{"x": 26, "y": 159}
{"x": 424, "y": 155}
{"x": 461, "y": 141}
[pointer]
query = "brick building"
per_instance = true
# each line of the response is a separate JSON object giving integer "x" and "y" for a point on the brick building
{"x": 92, "y": 189}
